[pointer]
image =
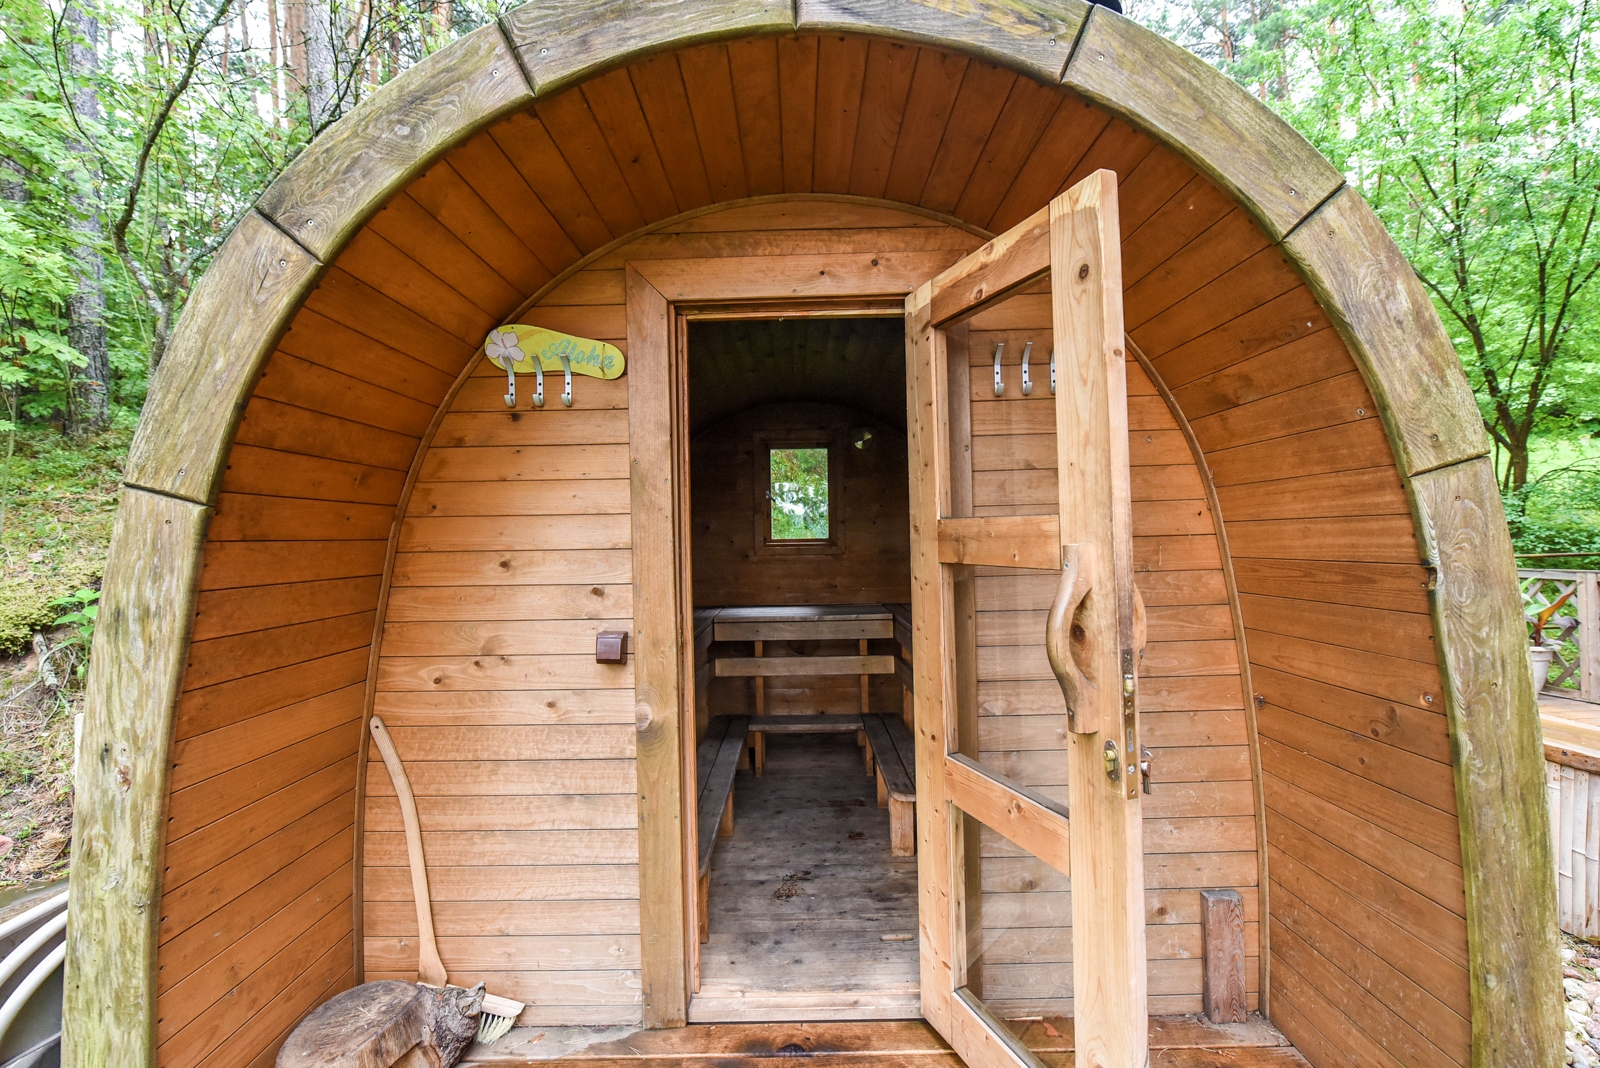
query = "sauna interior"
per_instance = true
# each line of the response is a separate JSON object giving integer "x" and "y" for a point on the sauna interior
{"x": 800, "y": 550}
{"x": 332, "y": 514}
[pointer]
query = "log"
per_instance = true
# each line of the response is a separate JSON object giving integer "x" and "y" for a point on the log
{"x": 384, "y": 1024}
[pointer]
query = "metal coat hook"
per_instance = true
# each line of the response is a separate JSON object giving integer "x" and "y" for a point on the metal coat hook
{"x": 1052, "y": 372}
{"x": 999, "y": 383}
{"x": 566, "y": 395}
{"x": 538, "y": 392}
{"x": 511, "y": 388}
{"x": 1027, "y": 383}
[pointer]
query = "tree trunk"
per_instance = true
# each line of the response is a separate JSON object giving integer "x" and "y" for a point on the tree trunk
{"x": 321, "y": 96}
{"x": 1514, "y": 436}
{"x": 13, "y": 189}
{"x": 86, "y": 326}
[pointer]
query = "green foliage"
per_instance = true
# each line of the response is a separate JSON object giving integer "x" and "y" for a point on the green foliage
{"x": 1558, "y": 512}
{"x": 799, "y": 491}
{"x": 79, "y": 610}
{"x": 36, "y": 278}
{"x": 1471, "y": 132}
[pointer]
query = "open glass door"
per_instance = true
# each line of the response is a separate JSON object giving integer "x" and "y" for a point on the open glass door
{"x": 1027, "y": 640}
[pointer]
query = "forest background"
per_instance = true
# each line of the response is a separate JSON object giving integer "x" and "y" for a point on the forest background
{"x": 135, "y": 133}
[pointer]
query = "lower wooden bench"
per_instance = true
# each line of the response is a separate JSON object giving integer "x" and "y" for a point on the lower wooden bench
{"x": 717, "y": 760}
{"x": 895, "y": 752}
{"x": 761, "y": 726}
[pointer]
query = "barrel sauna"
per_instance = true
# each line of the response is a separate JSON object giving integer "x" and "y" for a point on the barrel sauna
{"x": 329, "y": 512}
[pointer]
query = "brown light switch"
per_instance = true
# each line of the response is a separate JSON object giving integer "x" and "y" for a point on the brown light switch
{"x": 611, "y": 647}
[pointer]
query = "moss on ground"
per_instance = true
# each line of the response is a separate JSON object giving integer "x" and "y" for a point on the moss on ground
{"x": 59, "y": 500}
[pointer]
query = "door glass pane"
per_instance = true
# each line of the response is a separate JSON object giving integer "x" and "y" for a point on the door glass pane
{"x": 1019, "y": 928}
{"x": 1013, "y": 718}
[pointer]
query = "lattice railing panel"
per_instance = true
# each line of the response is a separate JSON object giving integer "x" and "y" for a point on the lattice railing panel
{"x": 1574, "y": 628}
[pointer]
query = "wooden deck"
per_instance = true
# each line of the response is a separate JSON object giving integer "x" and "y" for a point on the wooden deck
{"x": 1571, "y": 732}
{"x": 1175, "y": 1042}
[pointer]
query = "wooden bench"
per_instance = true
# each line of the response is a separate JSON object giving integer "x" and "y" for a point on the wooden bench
{"x": 717, "y": 760}
{"x": 835, "y": 723}
{"x": 895, "y": 752}
{"x": 760, "y": 624}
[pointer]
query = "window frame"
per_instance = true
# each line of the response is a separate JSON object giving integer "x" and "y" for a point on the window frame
{"x": 765, "y": 543}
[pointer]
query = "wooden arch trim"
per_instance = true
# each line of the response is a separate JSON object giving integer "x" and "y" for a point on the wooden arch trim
{"x": 274, "y": 257}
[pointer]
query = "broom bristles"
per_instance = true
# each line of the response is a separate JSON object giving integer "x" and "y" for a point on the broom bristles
{"x": 497, "y": 1018}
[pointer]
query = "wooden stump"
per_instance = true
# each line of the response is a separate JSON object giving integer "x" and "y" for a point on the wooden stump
{"x": 384, "y": 1025}
{"x": 1222, "y": 950}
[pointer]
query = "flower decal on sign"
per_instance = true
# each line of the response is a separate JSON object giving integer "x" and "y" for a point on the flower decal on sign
{"x": 501, "y": 348}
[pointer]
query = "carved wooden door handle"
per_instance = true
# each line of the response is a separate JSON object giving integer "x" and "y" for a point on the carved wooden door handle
{"x": 1077, "y": 580}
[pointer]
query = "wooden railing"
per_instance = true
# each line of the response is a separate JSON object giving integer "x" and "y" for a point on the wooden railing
{"x": 1575, "y": 628}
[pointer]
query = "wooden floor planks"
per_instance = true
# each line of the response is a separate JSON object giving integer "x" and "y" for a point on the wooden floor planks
{"x": 804, "y": 892}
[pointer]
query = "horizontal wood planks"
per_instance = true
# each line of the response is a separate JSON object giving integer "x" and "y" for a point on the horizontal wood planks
{"x": 257, "y": 918}
{"x": 514, "y": 553}
{"x": 1366, "y": 895}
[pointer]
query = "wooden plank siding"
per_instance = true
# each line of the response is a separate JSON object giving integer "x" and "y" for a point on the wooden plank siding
{"x": 513, "y": 553}
{"x": 513, "y": 548}
{"x": 1366, "y": 896}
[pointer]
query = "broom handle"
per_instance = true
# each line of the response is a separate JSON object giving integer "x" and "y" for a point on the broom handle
{"x": 430, "y": 969}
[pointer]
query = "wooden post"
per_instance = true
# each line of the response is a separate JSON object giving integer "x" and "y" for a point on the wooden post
{"x": 1513, "y": 944}
{"x": 861, "y": 736}
{"x": 928, "y": 451}
{"x": 1098, "y": 670}
{"x": 758, "y": 739}
{"x": 1589, "y": 635}
{"x": 652, "y": 420}
{"x": 147, "y": 609}
{"x": 1222, "y": 953}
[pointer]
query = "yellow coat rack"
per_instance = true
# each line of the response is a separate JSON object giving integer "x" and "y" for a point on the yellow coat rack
{"x": 535, "y": 350}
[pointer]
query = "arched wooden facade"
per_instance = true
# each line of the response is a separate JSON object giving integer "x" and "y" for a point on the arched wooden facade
{"x": 290, "y": 528}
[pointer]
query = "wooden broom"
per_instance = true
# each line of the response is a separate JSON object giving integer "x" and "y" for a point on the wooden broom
{"x": 498, "y": 1013}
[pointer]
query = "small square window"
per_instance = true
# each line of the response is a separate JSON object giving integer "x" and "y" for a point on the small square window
{"x": 797, "y": 488}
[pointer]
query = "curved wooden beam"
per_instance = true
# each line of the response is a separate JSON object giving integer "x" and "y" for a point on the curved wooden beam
{"x": 563, "y": 44}
{"x": 233, "y": 319}
{"x": 146, "y": 610}
{"x": 1205, "y": 116}
{"x": 359, "y": 162}
{"x": 1386, "y": 318}
{"x": 1035, "y": 39}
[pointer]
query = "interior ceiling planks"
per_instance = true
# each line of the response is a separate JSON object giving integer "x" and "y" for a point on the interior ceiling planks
{"x": 738, "y": 364}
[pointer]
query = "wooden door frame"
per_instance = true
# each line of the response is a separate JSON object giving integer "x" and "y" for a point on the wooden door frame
{"x": 661, "y": 297}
